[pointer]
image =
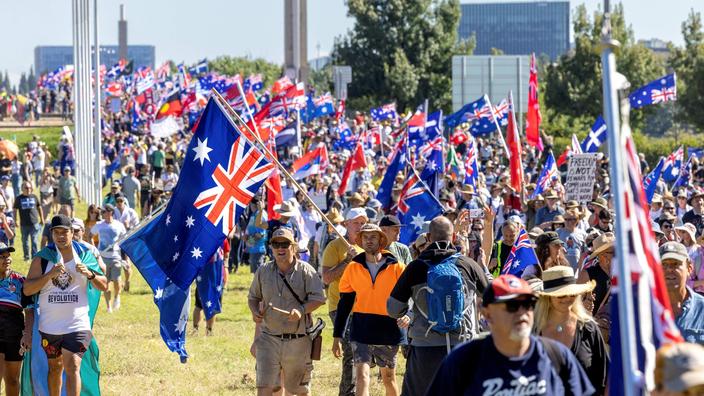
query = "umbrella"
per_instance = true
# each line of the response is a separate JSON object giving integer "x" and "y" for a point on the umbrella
{"x": 9, "y": 148}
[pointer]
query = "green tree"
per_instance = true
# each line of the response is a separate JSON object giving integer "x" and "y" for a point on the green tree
{"x": 22, "y": 87}
{"x": 321, "y": 80}
{"x": 688, "y": 62}
{"x": 31, "y": 79}
{"x": 232, "y": 65}
{"x": 401, "y": 50}
{"x": 573, "y": 85}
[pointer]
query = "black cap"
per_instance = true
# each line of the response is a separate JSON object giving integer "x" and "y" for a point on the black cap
{"x": 61, "y": 221}
{"x": 108, "y": 208}
{"x": 547, "y": 238}
{"x": 4, "y": 248}
{"x": 390, "y": 221}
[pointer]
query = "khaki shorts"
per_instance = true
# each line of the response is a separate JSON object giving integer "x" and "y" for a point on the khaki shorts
{"x": 291, "y": 356}
{"x": 113, "y": 269}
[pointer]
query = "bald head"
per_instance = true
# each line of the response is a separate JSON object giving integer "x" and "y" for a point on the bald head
{"x": 441, "y": 229}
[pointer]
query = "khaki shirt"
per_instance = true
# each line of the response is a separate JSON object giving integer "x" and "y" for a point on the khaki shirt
{"x": 333, "y": 255}
{"x": 268, "y": 287}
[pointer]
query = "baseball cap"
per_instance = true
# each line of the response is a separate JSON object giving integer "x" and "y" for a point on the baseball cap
{"x": 77, "y": 224}
{"x": 4, "y": 248}
{"x": 505, "y": 288}
{"x": 61, "y": 221}
{"x": 390, "y": 221}
{"x": 284, "y": 233}
{"x": 673, "y": 250}
{"x": 683, "y": 367}
{"x": 108, "y": 208}
{"x": 356, "y": 212}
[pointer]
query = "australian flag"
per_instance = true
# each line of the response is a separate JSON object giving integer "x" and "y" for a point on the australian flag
{"x": 385, "y": 112}
{"x": 433, "y": 128}
{"x": 471, "y": 166}
{"x": 672, "y": 166}
{"x": 547, "y": 176}
{"x": 209, "y": 284}
{"x": 253, "y": 82}
{"x": 479, "y": 114}
{"x": 318, "y": 107}
{"x": 521, "y": 256}
{"x": 416, "y": 205}
{"x": 685, "y": 172}
{"x": 501, "y": 112}
{"x": 434, "y": 167}
{"x": 347, "y": 139}
{"x": 650, "y": 181}
{"x": 661, "y": 90}
{"x": 397, "y": 163}
{"x": 597, "y": 136}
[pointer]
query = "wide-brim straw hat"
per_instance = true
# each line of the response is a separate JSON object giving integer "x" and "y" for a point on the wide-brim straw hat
{"x": 559, "y": 281}
{"x": 602, "y": 243}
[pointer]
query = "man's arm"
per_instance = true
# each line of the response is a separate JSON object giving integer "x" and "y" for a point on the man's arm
{"x": 36, "y": 280}
{"x": 331, "y": 274}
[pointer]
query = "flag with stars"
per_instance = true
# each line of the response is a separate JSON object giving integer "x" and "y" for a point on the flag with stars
{"x": 419, "y": 134}
{"x": 396, "y": 164}
{"x": 673, "y": 163}
{"x": 434, "y": 167}
{"x": 548, "y": 177}
{"x": 662, "y": 90}
{"x": 597, "y": 135}
{"x": 522, "y": 255}
{"x": 650, "y": 181}
{"x": 416, "y": 205}
{"x": 478, "y": 114}
{"x": 209, "y": 283}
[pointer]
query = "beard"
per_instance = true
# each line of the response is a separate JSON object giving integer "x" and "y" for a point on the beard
{"x": 521, "y": 333}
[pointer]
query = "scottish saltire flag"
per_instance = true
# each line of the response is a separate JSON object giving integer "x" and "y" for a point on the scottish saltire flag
{"x": 501, "y": 112}
{"x": 685, "y": 172}
{"x": 432, "y": 129}
{"x": 312, "y": 163}
{"x": 200, "y": 68}
{"x": 209, "y": 283}
{"x": 653, "y": 317}
{"x": 597, "y": 135}
{"x": 287, "y": 136}
{"x": 650, "y": 181}
{"x": 221, "y": 173}
{"x": 521, "y": 256}
{"x": 673, "y": 163}
{"x": 661, "y": 90}
{"x": 548, "y": 176}
{"x": 433, "y": 169}
{"x": 35, "y": 366}
{"x": 479, "y": 114}
{"x": 416, "y": 205}
{"x": 396, "y": 164}
{"x": 471, "y": 165}
{"x": 385, "y": 112}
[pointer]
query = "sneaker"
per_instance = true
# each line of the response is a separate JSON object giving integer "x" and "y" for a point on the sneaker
{"x": 194, "y": 331}
{"x": 116, "y": 304}
{"x": 109, "y": 309}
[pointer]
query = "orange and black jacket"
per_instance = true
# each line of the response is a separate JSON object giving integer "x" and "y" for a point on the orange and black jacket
{"x": 366, "y": 298}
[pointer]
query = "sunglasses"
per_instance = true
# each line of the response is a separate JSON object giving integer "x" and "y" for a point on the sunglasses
{"x": 280, "y": 245}
{"x": 512, "y": 306}
{"x": 665, "y": 225}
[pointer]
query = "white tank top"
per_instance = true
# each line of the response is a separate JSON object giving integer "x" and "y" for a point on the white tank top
{"x": 63, "y": 302}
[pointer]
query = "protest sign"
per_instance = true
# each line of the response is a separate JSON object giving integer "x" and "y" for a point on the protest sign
{"x": 581, "y": 174}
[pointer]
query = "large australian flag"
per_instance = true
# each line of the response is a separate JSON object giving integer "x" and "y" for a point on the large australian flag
{"x": 478, "y": 114}
{"x": 221, "y": 173}
{"x": 416, "y": 205}
{"x": 664, "y": 89}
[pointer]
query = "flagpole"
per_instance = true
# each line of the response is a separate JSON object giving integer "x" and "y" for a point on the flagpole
{"x": 498, "y": 127}
{"x": 230, "y": 112}
{"x": 625, "y": 301}
{"x": 298, "y": 132}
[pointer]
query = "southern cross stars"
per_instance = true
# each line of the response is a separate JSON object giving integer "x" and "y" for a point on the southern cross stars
{"x": 202, "y": 151}
{"x": 196, "y": 252}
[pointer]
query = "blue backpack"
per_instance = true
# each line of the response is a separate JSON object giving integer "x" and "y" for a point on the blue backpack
{"x": 446, "y": 302}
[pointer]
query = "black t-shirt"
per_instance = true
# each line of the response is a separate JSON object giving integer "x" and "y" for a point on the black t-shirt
{"x": 603, "y": 284}
{"x": 5, "y": 163}
{"x": 27, "y": 207}
{"x": 478, "y": 368}
{"x": 505, "y": 251}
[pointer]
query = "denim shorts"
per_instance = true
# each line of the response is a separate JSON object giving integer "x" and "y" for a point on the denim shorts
{"x": 375, "y": 355}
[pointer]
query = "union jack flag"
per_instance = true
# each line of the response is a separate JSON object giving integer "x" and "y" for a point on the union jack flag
{"x": 501, "y": 112}
{"x": 435, "y": 144}
{"x": 521, "y": 256}
{"x": 478, "y": 114}
{"x": 416, "y": 205}
{"x": 661, "y": 90}
{"x": 548, "y": 176}
{"x": 411, "y": 188}
{"x": 673, "y": 163}
{"x": 231, "y": 194}
{"x": 652, "y": 310}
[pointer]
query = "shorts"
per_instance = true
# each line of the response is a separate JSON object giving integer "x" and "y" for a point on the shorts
{"x": 375, "y": 355}
{"x": 68, "y": 201}
{"x": 76, "y": 342}
{"x": 113, "y": 268}
{"x": 11, "y": 350}
{"x": 291, "y": 356}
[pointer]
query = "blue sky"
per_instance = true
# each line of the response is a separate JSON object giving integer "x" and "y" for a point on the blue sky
{"x": 191, "y": 30}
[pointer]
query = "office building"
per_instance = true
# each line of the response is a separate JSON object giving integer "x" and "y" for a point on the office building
{"x": 518, "y": 28}
{"x": 49, "y": 57}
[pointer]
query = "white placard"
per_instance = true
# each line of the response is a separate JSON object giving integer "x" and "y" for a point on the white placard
{"x": 581, "y": 175}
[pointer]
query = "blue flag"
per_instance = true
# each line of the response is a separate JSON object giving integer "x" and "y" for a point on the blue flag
{"x": 433, "y": 129}
{"x": 521, "y": 256}
{"x": 547, "y": 176}
{"x": 479, "y": 114}
{"x": 695, "y": 152}
{"x": 347, "y": 139}
{"x": 650, "y": 181}
{"x": 385, "y": 112}
{"x": 663, "y": 89}
{"x": 685, "y": 172}
{"x": 597, "y": 136}
{"x": 209, "y": 285}
{"x": 416, "y": 205}
{"x": 112, "y": 168}
{"x": 287, "y": 136}
{"x": 221, "y": 173}
{"x": 471, "y": 165}
{"x": 434, "y": 167}
{"x": 673, "y": 163}
{"x": 397, "y": 163}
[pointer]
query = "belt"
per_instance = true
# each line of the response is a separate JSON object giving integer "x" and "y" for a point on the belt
{"x": 287, "y": 336}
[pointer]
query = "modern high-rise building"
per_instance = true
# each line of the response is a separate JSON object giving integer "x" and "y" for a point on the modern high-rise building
{"x": 48, "y": 57}
{"x": 518, "y": 28}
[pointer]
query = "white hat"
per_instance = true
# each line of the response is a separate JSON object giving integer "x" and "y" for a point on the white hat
{"x": 356, "y": 212}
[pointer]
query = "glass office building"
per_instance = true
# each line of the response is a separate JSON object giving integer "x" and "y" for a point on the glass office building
{"x": 518, "y": 28}
{"x": 48, "y": 58}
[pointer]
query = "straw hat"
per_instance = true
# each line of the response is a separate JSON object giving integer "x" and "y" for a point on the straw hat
{"x": 602, "y": 243}
{"x": 551, "y": 195}
{"x": 559, "y": 281}
{"x": 371, "y": 228}
{"x": 286, "y": 209}
{"x": 334, "y": 216}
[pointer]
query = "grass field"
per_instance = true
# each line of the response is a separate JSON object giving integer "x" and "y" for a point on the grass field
{"x": 50, "y": 135}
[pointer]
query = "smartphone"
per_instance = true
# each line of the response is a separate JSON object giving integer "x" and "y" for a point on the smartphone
{"x": 476, "y": 214}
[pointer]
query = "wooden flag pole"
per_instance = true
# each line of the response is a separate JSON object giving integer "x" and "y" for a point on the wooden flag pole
{"x": 232, "y": 113}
